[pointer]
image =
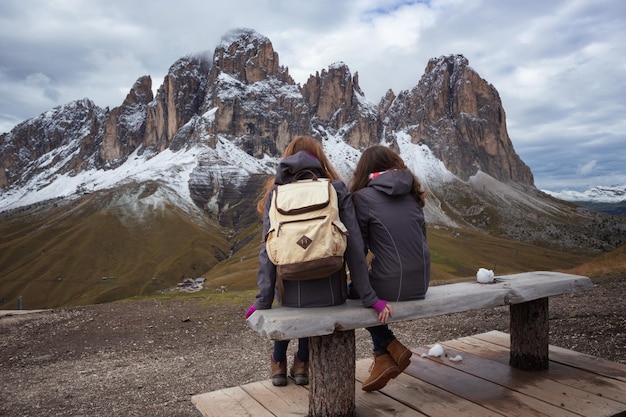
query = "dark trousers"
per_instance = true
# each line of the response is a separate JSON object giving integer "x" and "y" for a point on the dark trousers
{"x": 381, "y": 337}
{"x": 280, "y": 350}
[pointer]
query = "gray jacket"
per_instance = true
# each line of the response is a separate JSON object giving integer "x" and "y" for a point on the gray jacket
{"x": 321, "y": 292}
{"x": 393, "y": 228}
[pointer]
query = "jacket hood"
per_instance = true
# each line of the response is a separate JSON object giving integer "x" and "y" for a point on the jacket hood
{"x": 395, "y": 182}
{"x": 289, "y": 166}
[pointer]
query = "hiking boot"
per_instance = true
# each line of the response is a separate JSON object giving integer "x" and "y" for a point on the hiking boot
{"x": 300, "y": 371}
{"x": 279, "y": 372}
{"x": 400, "y": 354}
{"x": 381, "y": 371}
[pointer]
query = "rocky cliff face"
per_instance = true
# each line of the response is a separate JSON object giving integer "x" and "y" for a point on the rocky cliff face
{"x": 66, "y": 139}
{"x": 338, "y": 106}
{"x": 460, "y": 117}
{"x": 125, "y": 127}
{"x": 257, "y": 103}
{"x": 178, "y": 100}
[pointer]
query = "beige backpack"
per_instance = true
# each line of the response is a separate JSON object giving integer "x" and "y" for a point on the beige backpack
{"x": 306, "y": 238}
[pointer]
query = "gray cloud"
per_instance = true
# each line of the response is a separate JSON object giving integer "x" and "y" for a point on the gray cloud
{"x": 558, "y": 65}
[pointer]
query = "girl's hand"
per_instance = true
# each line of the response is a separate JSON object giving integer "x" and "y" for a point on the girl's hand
{"x": 384, "y": 310}
{"x": 386, "y": 314}
{"x": 251, "y": 310}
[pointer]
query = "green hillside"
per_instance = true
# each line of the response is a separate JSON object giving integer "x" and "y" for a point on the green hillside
{"x": 82, "y": 253}
{"x": 89, "y": 251}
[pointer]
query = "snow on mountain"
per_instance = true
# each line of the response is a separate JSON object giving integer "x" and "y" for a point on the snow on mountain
{"x": 342, "y": 156}
{"x": 137, "y": 168}
{"x": 234, "y": 35}
{"x": 229, "y": 162}
{"x": 598, "y": 194}
{"x": 420, "y": 159}
{"x": 171, "y": 168}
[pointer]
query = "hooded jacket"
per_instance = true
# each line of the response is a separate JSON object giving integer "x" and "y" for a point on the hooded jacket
{"x": 321, "y": 292}
{"x": 394, "y": 230}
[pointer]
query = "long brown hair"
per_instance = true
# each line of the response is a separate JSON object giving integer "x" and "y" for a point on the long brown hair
{"x": 380, "y": 158}
{"x": 297, "y": 144}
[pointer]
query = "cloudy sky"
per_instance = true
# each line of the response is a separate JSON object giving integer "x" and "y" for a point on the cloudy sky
{"x": 558, "y": 65}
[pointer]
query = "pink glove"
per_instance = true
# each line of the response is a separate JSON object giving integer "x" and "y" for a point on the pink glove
{"x": 379, "y": 306}
{"x": 251, "y": 310}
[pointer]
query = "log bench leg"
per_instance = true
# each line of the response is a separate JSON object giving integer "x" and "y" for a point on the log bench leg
{"x": 529, "y": 335}
{"x": 332, "y": 373}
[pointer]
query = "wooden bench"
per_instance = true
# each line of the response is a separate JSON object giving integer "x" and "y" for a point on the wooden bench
{"x": 331, "y": 329}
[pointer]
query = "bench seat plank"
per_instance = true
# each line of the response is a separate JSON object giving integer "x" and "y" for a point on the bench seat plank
{"x": 283, "y": 323}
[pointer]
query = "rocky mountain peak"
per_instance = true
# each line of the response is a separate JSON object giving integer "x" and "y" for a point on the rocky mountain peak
{"x": 460, "y": 117}
{"x": 248, "y": 56}
{"x": 140, "y": 93}
{"x": 177, "y": 101}
{"x": 337, "y": 102}
{"x": 331, "y": 90}
{"x": 65, "y": 138}
{"x": 125, "y": 126}
{"x": 386, "y": 102}
{"x": 252, "y": 99}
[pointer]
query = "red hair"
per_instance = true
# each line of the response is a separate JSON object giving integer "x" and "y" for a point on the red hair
{"x": 306, "y": 144}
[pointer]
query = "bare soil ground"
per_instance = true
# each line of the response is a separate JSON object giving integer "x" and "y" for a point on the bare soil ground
{"x": 148, "y": 358}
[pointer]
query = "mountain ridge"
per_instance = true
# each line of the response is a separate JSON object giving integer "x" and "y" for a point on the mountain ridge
{"x": 199, "y": 150}
{"x": 598, "y": 194}
{"x": 604, "y": 199}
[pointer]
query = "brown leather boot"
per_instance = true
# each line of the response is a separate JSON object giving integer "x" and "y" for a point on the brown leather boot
{"x": 300, "y": 371}
{"x": 279, "y": 372}
{"x": 382, "y": 370}
{"x": 400, "y": 354}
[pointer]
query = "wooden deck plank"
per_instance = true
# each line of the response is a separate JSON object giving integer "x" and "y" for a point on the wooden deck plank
{"x": 593, "y": 383}
{"x": 462, "y": 380}
{"x": 424, "y": 397}
{"x": 377, "y": 404}
{"x": 482, "y": 384}
{"x": 537, "y": 384}
{"x": 289, "y": 401}
{"x": 568, "y": 357}
{"x": 231, "y": 402}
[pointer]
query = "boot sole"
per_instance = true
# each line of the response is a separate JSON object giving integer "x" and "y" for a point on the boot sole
{"x": 279, "y": 381}
{"x": 300, "y": 379}
{"x": 382, "y": 380}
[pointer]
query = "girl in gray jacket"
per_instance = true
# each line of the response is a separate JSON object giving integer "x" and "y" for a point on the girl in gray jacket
{"x": 306, "y": 154}
{"x": 389, "y": 206}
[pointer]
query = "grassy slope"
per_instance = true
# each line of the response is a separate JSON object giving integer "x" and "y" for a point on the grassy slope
{"x": 58, "y": 258}
{"x": 608, "y": 264}
{"x": 62, "y": 258}
{"x": 454, "y": 256}
{"x": 469, "y": 247}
